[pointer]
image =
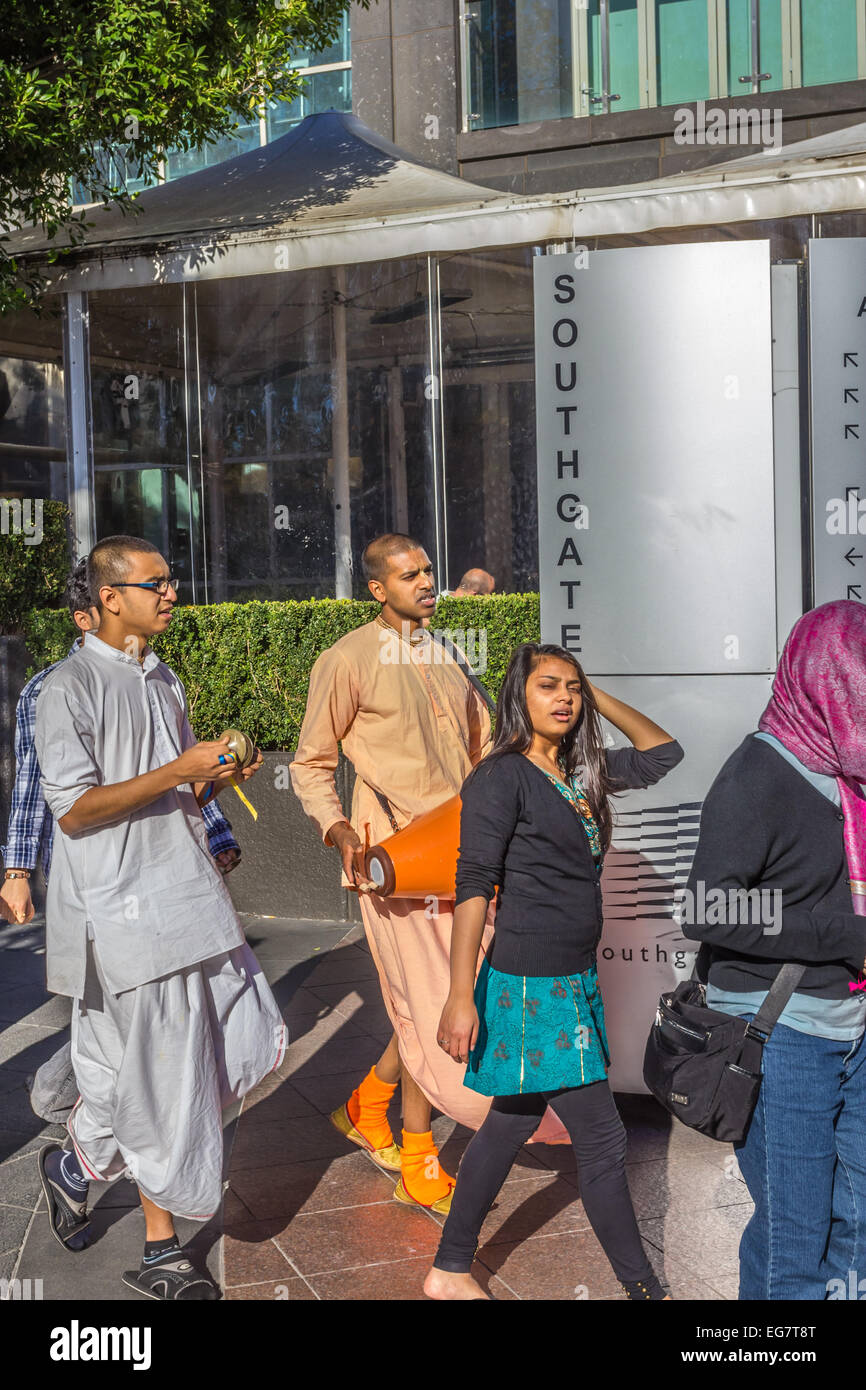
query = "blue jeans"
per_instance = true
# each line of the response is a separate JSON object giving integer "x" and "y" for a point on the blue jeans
{"x": 804, "y": 1162}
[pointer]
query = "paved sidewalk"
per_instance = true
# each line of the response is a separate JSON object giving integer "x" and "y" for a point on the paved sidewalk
{"x": 308, "y": 1216}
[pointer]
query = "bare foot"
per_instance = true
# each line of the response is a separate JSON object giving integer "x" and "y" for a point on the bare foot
{"x": 442, "y": 1285}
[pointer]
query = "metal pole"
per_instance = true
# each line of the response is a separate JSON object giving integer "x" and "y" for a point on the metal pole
{"x": 603, "y": 19}
{"x": 437, "y": 422}
{"x": 340, "y": 438}
{"x": 79, "y": 444}
{"x": 190, "y": 454}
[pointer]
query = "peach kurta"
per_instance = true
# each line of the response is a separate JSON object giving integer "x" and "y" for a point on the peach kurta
{"x": 413, "y": 727}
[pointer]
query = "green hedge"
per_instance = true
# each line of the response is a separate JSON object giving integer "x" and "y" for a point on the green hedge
{"x": 247, "y": 665}
{"x": 31, "y": 575}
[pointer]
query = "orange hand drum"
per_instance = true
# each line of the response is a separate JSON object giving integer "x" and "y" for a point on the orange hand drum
{"x": 419, "y": 861}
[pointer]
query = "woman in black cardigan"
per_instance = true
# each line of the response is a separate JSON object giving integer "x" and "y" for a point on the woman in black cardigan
{"x": 533, "y": 1031}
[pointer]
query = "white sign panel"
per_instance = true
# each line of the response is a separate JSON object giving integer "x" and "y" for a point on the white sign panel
{"x": 655, "y": 457}
{"x": 837, "y": 347}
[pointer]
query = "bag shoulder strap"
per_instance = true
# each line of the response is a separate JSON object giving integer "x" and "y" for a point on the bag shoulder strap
{"x": 458, "y": 656}
{"x": 780, "y": 992}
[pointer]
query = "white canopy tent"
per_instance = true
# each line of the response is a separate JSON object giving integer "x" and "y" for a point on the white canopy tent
{"x": 333, "y": 192}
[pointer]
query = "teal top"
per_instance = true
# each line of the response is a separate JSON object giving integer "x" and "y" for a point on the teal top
{"x": 843, "y": 1020}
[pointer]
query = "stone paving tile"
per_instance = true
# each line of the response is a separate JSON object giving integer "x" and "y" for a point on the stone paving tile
{"x": 14, "y": 1221}
{"x": 320, "y": 1242}
{"x": 532, "y": 1208}
{"x": 30, "y": 1004}
{"x": 24, "y": 1047}
{"x": 284, "y": 1101}
{"x": 19, "y": 1182}
{"x": 573, "y": 1266}
{"x": 363, "y": 1003}
{"x": 687, "y": 1182}
{"x": 286, "y": 1189}
{"x": 264, "y": 1145}
{"x": 345, "y": 963}
{"x": 290, "y": 1290}
{"x": 727, "y": 1285}
{"x": 251, "y": 1257}
{"x": 398, "y": 1281}
{"x": 342, "y": 1052}
{"x": 706, "y": 1242}
{"x": 94, "y": 1274}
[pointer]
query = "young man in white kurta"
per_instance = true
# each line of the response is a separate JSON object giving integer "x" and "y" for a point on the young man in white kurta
{"x": 172, "y": 1017}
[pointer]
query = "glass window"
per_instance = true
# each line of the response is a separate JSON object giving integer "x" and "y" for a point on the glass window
{"x": 337, "y": 52}
{"x": 324, "y": 91}
{"x": 180, "y": 162}
{"x": 739, "y": 14}
{"x": 145, "y": 472}
{"x": 489, "y": 409}
{"x": 829, "y": 41}
{"x": 682, "y": 50}
{"x": 623, "y": 29}
{"x": 308, "y": 379}
{"x": 32, "y": 406}
{"x": 520, "y": 59}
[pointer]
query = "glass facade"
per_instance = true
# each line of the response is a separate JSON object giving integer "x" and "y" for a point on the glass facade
{"x": 328, "y": 85}
{"x": 32, "y": 405}
{"x": 526, "y": 60}
{"x": 261, "y": 430}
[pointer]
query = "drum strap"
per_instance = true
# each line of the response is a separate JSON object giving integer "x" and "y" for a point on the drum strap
{"x": 457, "y": 655}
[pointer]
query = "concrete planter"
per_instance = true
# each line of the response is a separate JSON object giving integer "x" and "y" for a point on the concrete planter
{"x": 286, "y": 871}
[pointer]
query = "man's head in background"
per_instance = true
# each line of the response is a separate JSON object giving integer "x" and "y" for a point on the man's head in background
{"x": 79, "y": 600}
{"x": 475, "y": 584}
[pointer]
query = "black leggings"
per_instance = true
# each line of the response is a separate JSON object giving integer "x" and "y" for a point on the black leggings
{"x": 597, "y": 1133}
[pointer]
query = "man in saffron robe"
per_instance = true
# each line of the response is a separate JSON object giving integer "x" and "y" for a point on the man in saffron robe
{"x": 413, "y": 727}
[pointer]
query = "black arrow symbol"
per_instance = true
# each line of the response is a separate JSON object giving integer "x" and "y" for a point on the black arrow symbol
{"x": 851, "y": 487}
{"x": 853, "y": 429}
{"x": 849, "y": 357}
{"x": 850, "y": 553}
{"x": 851, "y": 395}
{"x": 851, "y": 591}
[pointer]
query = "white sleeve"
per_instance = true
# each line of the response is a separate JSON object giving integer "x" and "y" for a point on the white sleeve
{"x": 64, "y": 747}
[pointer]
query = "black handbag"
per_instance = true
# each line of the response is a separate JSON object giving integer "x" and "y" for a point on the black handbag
{"x": 704, "y": 1066}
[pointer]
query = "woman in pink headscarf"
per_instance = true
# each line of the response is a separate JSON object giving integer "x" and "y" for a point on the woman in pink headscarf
{"x": 786, "y": 816}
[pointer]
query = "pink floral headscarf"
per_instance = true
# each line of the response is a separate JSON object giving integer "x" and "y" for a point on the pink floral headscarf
{"x": 818, "y": 711}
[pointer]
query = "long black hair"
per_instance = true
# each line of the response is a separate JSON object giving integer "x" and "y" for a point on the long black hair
{"x": 583, "y": 745}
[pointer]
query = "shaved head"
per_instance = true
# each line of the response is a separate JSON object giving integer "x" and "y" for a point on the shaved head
{"x": 476, "y": 582}
{"x": 377, "y": 554}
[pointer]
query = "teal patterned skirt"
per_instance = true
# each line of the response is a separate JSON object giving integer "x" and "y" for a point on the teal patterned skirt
{"x": 537, "y": 1033}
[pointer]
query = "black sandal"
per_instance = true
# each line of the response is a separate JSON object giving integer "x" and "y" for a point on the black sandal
{"x": 68, "y": 1219}
{"x": 171, "y": 1280}
{"x": 644, "y": 1289}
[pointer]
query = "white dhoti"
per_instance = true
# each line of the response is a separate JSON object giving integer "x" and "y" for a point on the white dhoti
{"x": 411, "y": 945}
{"x": 157, "y": 1065}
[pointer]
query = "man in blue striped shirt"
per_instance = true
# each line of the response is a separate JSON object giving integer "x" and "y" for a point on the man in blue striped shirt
{"x": 31, "y": 826}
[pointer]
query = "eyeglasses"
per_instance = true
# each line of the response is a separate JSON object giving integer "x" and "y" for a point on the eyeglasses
{"x": 160, "y": 587}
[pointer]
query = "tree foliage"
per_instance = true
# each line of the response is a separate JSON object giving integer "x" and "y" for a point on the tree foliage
{"x": 84, "y": 79}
